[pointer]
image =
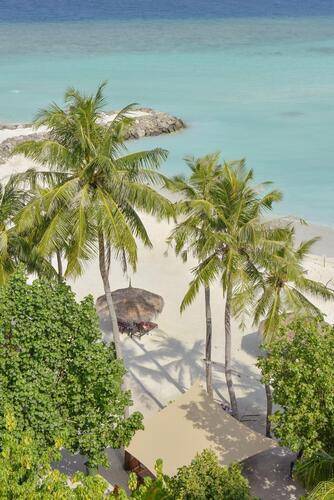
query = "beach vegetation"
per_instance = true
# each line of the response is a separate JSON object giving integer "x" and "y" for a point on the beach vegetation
{"x": 283, "y": 288}
{"x": 26, "y": 472}
{"x": 190, "y": 235}
{"x": 323, "y": 491}
{"x": 203, "y": 479}
{"x": 58, "y": 377}
{"x": 299, "y": 367}
{"x": 316, "y": 469}
{"x": 17, "y": 247}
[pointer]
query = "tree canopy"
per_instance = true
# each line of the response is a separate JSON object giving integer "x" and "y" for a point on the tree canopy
{"x": 203, "y": 479}
{"x": 300, "y": 369}
{"x": 55, "y": 373}
{"x": 283, "y": 285}
{"x": 26, "y": 473}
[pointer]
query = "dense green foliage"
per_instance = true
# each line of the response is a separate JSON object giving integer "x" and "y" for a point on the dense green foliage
{"x": 26, "y": 474}
{"x": 281, "y": 287}
{"x": 300, "y": 369}
{"x": 324, "y": 491}
{"x": 206, "y": 479}
{"x": 55, "y": 372}
{"x": 203, "y": 479}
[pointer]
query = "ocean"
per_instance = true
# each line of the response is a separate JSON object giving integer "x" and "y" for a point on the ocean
{"x": 252, "y": 79}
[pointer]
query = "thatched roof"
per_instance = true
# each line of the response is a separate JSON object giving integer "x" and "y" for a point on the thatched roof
{"x": 189, "y": 425}
{"x": 132, "y": 304}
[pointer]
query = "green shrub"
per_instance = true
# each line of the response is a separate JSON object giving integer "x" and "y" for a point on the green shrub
{"x": 26, "y": 474}
{"x": 55, "y": 373}
{"x": 203, "y": 479}
{"x": 300, "y": 369}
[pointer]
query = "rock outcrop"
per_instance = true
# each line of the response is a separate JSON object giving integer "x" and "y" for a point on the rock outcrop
{"x": 146, "y": 122}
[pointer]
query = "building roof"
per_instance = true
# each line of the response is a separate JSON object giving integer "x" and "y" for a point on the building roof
{"x": 192, "y": 423}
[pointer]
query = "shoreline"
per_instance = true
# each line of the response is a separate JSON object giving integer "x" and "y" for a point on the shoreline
{"x": 308, "y": 230}
{"x": 146, "y": 122}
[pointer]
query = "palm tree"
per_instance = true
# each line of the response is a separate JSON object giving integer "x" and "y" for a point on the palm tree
{"x": 316, "y": 469}
{"x": 284, "y": 289}
{"x": 189, "y": 236}
{"x": 317, "y": 472}
{"x": 235, "y": 231}
{"x": 92, "y": 189}
{"x": 17, "y": 248}
{"x": 323, "y": 491}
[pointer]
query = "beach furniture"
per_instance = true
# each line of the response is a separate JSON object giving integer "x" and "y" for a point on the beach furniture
{"x": 135, "y": 309}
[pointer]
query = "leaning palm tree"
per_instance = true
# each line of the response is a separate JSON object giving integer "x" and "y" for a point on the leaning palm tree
{"x": 284, "y": 289}
{"x": 236, "y": 230}
{"x": 91, "y": 189}
{"x": 189, "y": 235}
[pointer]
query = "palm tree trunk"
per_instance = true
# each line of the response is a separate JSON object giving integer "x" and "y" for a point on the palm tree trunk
{"x": 269, "y": 409}
{"x": 114, "y": 335}
{"x": 208, "y": 343}
{"x": 60, "y": 266}
{"x": 228, "y": 355}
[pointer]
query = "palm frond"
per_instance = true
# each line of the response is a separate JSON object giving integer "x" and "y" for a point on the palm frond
{"x": 315, "y": 469}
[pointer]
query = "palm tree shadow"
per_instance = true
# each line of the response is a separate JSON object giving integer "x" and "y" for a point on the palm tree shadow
{"x": 160, "y": 359}
{"x": 250, "y": 343}
{"x": 164, "y": 359}
{"x": 267, "y": 471}
{"x": 105, "y": 323}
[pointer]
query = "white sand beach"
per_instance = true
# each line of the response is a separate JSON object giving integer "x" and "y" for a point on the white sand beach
{"x": 169, "y": 359}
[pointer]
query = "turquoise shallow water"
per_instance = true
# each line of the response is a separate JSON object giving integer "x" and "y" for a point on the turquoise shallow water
{"x": 258, "y": 88}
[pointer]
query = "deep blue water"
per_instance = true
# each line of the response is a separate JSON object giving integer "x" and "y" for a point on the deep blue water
{"x": 73, "y": 10}
{"x": 251, "y": 78}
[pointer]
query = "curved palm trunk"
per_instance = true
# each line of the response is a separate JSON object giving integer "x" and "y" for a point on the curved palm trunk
{"x": 228, "y": 355}
{"x": 269, "y": 409}
{"x": 60, "y": 266}
{"x": 114, "y": 335}
{"x": 208, "y": 343}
